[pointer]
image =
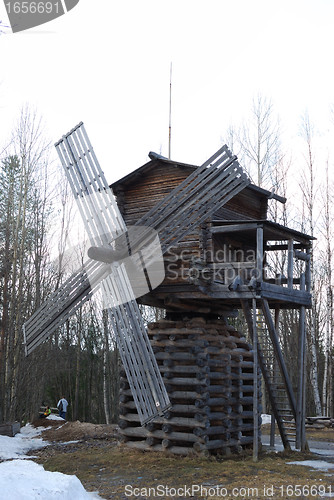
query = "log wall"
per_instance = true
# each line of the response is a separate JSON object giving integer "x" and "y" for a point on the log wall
{"x": 207, "y": 367}
{"x": 137, "y": 193}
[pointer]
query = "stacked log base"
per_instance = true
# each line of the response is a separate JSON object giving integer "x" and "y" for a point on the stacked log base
{"x": 208, "y": 372}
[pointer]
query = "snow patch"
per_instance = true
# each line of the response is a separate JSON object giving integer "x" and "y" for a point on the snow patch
{"x": 28, "y": 480}
{"x": 266, "y": 419}
{"x": 21, "y": 443}
{"x": 315, "y": 464}
{"x": 54, "y": 417}
{"x": 24, "y": 479}
{"x": 70, "y": 442}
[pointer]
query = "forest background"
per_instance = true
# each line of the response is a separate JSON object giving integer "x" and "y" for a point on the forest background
{"x": 81, "y": 360}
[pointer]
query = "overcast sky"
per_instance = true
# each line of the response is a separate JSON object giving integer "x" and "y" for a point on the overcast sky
{"x": 107, "y": 63}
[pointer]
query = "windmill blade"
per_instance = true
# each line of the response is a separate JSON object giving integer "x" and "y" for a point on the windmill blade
{"x": 202, "y": 193}
{"x": 135, "y": 350}
{"x": 195, "y": 199}
{"x": 95, "y": 200}
{"x": 63, "y": 303}
{"x": 143, "y": 374}
{"x": 189, "y": 204}
{"x": 104, "y": 223}
{"x": 207, "y": 189}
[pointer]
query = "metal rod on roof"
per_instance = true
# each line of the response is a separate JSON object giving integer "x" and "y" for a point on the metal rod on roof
{"x": 170, "y": 113}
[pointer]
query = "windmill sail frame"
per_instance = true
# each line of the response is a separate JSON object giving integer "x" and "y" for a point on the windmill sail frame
{"x": 208, "y": 188}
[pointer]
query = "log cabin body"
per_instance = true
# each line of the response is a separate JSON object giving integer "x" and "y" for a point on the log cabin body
{"x": 221, "y": 267}
{"x": 228, "y": 257}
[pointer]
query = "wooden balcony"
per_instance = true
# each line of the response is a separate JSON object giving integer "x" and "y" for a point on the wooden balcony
{"x": 270, "y": 247}
{"x": 239, "y": 262}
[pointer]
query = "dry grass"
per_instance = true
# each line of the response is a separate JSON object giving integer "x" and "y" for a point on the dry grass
{"x": 105, "y": 466}
{"x": 325, "y": 434}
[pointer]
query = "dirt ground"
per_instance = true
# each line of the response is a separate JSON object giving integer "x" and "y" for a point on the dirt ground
{"x": 71, "y": 431}
{"x": 93, "y": 453}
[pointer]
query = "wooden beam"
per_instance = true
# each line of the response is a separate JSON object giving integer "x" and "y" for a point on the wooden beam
{"x": 259, "y": 253}
{"x": 284, "y": 294}
{"x": 283, "y": 281}
{"x": 232, "y": 265}
{"x": 232, "y": 228}
{"x": 308, "y": 276}
{"x": 290, "y": 264}
{"x": 300, "y": 420}
{"x": 301, "y": 255}
{"x": 255, "y": 393}
{"x": 283, "y": 246}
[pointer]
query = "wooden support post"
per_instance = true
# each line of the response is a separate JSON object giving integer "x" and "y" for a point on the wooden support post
{"x": 290, "y": 263}
{"x": 275, "y": 368}
{"x": 308, "y": 271}
{"x": 259, "y": 253}
{"x": 300, "y": 420}
{"x": 255, "y": 393}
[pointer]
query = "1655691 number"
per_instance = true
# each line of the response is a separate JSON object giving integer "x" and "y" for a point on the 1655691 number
{"x": 32, "y": 7}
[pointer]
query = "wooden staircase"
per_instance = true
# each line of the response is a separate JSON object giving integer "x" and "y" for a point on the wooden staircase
{"x": 274, "y": 371}
{"x": 275, "y": 380}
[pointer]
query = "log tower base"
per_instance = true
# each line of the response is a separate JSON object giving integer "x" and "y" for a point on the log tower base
{"x": 207, "y": 368}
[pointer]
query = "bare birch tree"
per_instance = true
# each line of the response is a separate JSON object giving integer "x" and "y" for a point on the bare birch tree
{"x": 327, "y": 265}
{"x": 260, "y": 142}
{"x": 23, "y": 222}
{"x": 308, "y": 189}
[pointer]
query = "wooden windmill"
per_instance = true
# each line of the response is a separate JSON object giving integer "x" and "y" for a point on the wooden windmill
{"x": 220, "y": 266}
{"x": 116, "y": 250}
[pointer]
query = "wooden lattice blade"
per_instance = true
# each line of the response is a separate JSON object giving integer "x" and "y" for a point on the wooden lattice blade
{"x": 137, "y": 356}
{"x": 194, "y": 200}
{"x": 103, "y": 223}
{"x": 202, "y": 193}
{"x": 128, "y": 279}
{"x": 63, "y": 303}
{"x": 95, "y": 200}
{"x": 135, "y": 349}
{"x": 203, "y": 188}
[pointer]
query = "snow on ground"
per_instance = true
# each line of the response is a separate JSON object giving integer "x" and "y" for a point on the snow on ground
{"x": 25, "y": 479}
{"x": 21, "y": 478}
{"x": 54, "y": 417}
{"x": 327, "y": 452}
{"x": 266, "y": 419}
{"x": 315, "y": 464}
{"x": 17, "y": 446}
